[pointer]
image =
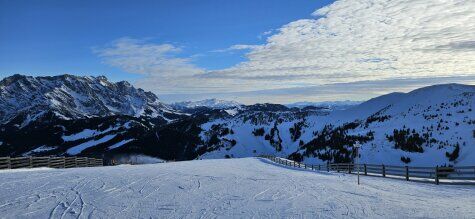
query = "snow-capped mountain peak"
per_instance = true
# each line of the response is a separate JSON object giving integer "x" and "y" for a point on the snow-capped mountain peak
{"x": 74, "y": 97}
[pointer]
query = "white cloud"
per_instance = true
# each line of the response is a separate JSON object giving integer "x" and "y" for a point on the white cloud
{"x": 136, "y": 56}
{"x": 355, "y": 40}
{"x": 347, "y": 42}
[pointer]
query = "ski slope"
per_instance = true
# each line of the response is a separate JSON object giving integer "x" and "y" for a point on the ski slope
{"x": 222, "y": 188}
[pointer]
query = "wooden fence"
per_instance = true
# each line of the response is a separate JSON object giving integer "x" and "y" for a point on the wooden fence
{"x": 53, "y": 162}
{"x": 462, "y": 174}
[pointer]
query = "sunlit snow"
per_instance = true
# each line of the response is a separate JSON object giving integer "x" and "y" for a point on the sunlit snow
{"x": 233, "y": 188}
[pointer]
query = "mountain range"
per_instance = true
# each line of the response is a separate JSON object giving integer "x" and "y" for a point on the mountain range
{"x": 69, "y": 115}
{"x": 327, "y": 105}
{"x": 26, "y": 98}
{"x": 208, "y": 103}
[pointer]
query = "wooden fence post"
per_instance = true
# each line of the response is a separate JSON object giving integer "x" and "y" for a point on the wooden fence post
{"x": 319, "y": 167}
{"x": 407, "y": 173}
{"x": 437, "y": 175}
{"x": 349, "y": 168}
{"x": 305, "y": 166}
{"x": 328, "y": 167}
{"x": 338, "y": 168}
{"x": 30, "y": 160}
{"x": 312, "y": 166}
{"x": 9, "y": 164}
{"x": 365, "y": 171}
{"x": 384, "y": 171}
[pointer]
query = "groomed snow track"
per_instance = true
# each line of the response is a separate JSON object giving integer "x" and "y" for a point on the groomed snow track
{"x": 237, "y": 188}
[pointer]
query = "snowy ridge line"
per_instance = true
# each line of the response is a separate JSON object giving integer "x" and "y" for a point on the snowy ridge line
{"x": 452, "y": 175}
{"x": 51, "y": 162}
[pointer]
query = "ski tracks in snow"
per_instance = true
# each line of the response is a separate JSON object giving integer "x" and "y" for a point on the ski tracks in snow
{"x": 242, "y": 188}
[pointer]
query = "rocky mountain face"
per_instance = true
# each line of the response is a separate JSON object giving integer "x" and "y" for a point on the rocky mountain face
{"x": 68, "y": 116}
{"x": 24, "y": 99}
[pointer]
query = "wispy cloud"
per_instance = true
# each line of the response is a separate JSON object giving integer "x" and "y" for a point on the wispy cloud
{"x": 348, "y": 41}
{"x": 138, "y": 56}
{"x": 265, "y": 33}
{"x": 238, "y": 47}
{"x": 163, "y": 70}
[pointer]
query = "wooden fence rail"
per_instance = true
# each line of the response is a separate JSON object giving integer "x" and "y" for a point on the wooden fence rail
{"x": 53, "y": 162}
{"x": 454, "y": 174}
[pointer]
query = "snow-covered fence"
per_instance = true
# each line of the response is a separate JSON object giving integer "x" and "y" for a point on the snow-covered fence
{"x": 53, "y": 162}
{"x": 465, "y": 174}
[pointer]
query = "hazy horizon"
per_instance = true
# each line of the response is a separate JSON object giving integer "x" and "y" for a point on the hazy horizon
{"x": 415, "y": 85}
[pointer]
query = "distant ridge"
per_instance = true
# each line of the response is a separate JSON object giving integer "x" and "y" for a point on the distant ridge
{"x": 209, "y": 103}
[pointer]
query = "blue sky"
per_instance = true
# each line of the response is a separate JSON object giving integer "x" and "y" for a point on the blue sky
{"x": 250, "y": 50}
{"x": 55, "y": 37}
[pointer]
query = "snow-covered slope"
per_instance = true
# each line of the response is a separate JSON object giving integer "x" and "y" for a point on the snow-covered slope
{"x": 27, "y": 98}
{"x": 209, "y": 103}
{"x": 430, "y": 126}
{"x": 232, "y": 188}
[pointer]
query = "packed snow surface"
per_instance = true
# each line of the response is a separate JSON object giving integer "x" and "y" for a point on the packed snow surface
{"x": 233, "y": 188}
